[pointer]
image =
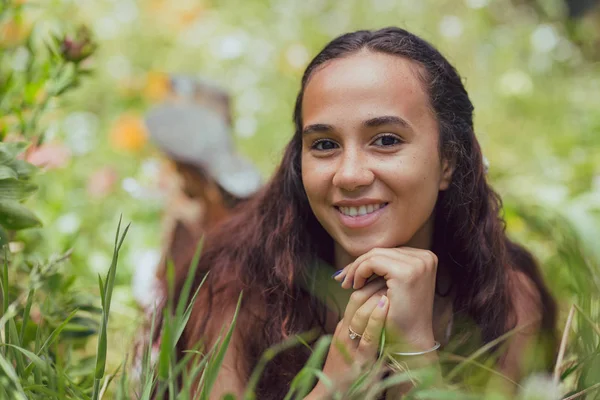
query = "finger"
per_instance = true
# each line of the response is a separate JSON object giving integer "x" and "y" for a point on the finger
{"x": 359, "y": 297}
{"x": 350, "y": 267}
{"x": 361, "y": 316}
{"x": 396, "y": 265}
{"x": 378, "y": 265}
{"x": 369, "y": 342}
{"x": 349, "y": 271}
{"x": 425, "y": 255}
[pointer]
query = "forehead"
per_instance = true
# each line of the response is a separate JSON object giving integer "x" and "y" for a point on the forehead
{"x": 364, "y": 85}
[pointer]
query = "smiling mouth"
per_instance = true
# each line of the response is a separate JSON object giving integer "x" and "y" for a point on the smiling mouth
{"x": 361, "y": 210}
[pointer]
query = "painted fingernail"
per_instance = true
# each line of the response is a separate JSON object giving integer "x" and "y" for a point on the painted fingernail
{"x": 337, "y": 273}
{"x": 382, "y": 301}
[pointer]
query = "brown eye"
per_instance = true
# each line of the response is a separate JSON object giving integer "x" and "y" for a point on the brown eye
{"x": 386, "y": 141}
{"x": 324, "y": 145}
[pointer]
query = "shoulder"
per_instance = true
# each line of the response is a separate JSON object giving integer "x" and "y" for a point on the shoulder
{"x": 526, "y": 302}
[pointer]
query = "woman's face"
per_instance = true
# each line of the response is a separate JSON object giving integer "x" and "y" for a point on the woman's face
{"x": 370, "y": 161}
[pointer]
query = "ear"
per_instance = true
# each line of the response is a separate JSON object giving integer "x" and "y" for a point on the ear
{"x": 448, "y": 166}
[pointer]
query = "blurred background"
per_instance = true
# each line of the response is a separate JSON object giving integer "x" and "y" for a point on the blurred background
{"x": 532, "y": 69}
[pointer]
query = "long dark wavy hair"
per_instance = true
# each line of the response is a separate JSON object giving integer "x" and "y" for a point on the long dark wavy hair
{"x": 271, "y": 242}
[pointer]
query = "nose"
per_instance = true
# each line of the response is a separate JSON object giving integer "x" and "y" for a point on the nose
{"x": 353, "y": 171}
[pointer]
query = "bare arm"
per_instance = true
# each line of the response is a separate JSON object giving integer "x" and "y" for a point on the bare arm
{"x": 230, "y": 378}
{"x": 527, "y": 319}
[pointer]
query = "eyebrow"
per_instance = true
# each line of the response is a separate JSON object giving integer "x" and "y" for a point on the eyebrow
{"x": 370, "y": 123}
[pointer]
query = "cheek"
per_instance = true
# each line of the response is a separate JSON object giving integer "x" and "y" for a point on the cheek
{"x": 311, "y": 179}
{"x": 414, "y": 181}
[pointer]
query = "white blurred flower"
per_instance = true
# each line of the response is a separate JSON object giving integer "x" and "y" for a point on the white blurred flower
{"x": 126, "y": 11}
{"x": 544, "y": 38}
{"x": 150, "y": 168}
{"x": 118, "y": 67}
{"x": 451, "y": 27}
{"x": 554, "y": 195}
{"x": 131, "y": 186}
{"x": 250, "y": 100}
{"x": 106, "y": 28}
{"x": 68, "y": 223}
{"x": 230, "y": 47}
{"x": 144, "y": 283}
{"x": 80, "y": 131}
{"x": 476, "y": 4}
{"x": 20, "y": 59}
{"x": 297, "y": 56}
{"x": 99, "y": 262}
{"x": 246, "y": 126}
{"x": 515, "y": 83}
{"x": 540, "y": 387}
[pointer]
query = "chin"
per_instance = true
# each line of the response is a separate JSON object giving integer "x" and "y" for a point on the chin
{"x": 358, "y": 249}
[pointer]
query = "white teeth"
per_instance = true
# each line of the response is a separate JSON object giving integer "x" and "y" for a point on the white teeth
{"x": 359, "y": 211}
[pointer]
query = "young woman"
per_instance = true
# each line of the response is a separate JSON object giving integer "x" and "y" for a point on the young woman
{"x": 383, "y": 182}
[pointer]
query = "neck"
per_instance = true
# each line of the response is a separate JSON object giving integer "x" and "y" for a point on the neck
{"x": 341, "y": 256}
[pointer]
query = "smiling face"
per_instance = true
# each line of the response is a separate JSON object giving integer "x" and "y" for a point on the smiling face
{"x": 371, "y": 167}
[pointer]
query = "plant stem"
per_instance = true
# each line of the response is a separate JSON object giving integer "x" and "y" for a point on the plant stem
{"x": 563, "y": 345}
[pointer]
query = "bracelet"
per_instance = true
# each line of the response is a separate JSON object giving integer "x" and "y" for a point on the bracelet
{"x": 418, "y": 353}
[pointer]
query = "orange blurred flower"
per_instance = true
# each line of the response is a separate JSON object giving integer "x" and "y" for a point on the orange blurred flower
{"x": 157, "y": 86}
{"x": 128, "y": 133}
{"x": 13, "y": 33}
{"x": 191, "y": 15}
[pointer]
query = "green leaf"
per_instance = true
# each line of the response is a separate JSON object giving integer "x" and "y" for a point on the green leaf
{"x": 7, "y": 173}
{"x": 23, "y": 169}
{"x": 3, "y": 237}
{"x": 15, "y": 216}
{"x": 14, "y": 189}
{"x": 8, "y": 151}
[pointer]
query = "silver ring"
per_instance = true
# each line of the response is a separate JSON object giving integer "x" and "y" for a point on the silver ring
{"x": 353, "y": 335}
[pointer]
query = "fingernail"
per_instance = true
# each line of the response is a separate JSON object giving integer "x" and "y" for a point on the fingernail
{"x": 337, "y": 273}
{"x": 382, "y": 301}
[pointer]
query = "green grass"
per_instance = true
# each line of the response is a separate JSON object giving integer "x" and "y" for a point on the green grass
{"x": 44, "y": 364}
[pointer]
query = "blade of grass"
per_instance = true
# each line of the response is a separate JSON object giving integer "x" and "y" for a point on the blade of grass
{"x": 106, "y": 302}
{"x": 563, "y": 345}
{"x": 182, "y": 322}
{"x": 26, "y": 313}
{"x": 5, "y": 297}
{"x": 50, "y": 340}
{"x": 302, "y": 384}
{"x": 12, "y": 375}
{"x": 213, "y": 368}
{"x": 19, "y": 363}
{"x": 483, "y": 349}
{"x": 585, "y": 391}
{"x": 187, "y": 286}
{"x": 267, "y": 356}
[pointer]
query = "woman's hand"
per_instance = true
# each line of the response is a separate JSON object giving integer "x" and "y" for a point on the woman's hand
{"x": 365, "y": 314}
{"x": 410, "y": 276}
